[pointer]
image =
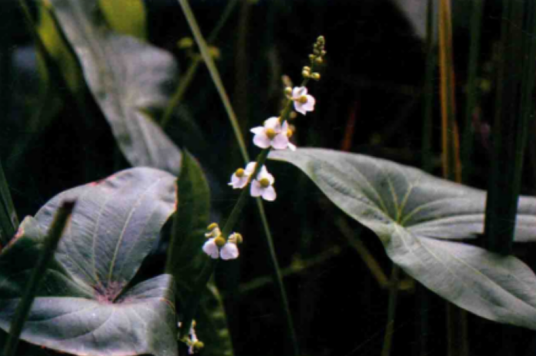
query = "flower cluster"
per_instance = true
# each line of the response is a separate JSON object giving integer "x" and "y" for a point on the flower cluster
{"x": 194, "y": 345}
{"x": 216, "y": 245}
{"x": 275, "y": 133}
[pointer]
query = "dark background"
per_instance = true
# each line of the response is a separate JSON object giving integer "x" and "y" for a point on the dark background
{"x": 369, "y": 101}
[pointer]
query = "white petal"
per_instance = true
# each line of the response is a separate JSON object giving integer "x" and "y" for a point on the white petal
{"x": 269, "y": 194}
{"x": 239, "y": 183}
{"x": 298, "y": 91}
{"x": 256, "y": 189}
{"x": 250, "y": 167}
{"x": 211, "y": 249}
{"x": 261, "y": 140}
{"x": 299, "y": 108}
{"x": 272, "y": 123}
{"x": 310, "y": 104}
{"x": 280, "y": 141}
{"x": 229, "y": 251}
{"x": 257, "y": 130}
{"x": 291, "y": 146}
{"x": 263, "y": 171}
{"x": 284, "y": 127}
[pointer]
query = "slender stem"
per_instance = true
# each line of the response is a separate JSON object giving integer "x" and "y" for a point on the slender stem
{"x": 192, "y": 69}
{"x": 428, "y": 90}
{"x": 471, "y": 95}
{"x": 181, "y": 90}
{"x": 23, "y": 309}
{"x": 9, "y": 221}
{"x": 203, "y": 48}
{"x": 391, "y": 311}
{"x": 236, "y": 129}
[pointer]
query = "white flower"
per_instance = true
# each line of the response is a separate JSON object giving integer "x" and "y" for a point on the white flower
{"x": 228, "y": 251}
{"x": 303, "y": 102}
{"x": 262, "y": 185}
{"x": 273, "y": 134}
{"x": 240, "y": 178}
{"x": 211, "y": 248}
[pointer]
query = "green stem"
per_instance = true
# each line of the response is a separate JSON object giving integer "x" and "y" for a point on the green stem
{"x": 236, "y": 129}
{"x": 213, "y": 71}
{"x": 192, "y": 69}
{"x": 179, "y": 93}
{"x": 428, "y": 90}
{"x": 23, "y": 309}
{"x": 471, "y": 95}
{"x": 9, "y": 221}
{"x": 391, "y": 311}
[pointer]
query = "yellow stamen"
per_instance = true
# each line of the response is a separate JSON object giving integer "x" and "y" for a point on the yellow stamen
{"x": 289, "y": 133}
{"x": 270, "y": 133}
{"x": 264, "y": 182}
{"x": 220, "y": 241}
{"x": 212, "y": 226}
{"x": 240, "y": 172}
{"x": 302, "y": 99}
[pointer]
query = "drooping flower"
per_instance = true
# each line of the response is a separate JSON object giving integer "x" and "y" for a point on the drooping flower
{"x": 273, "y": 134}
{"x": 303, "y": 102}
{"x": 262, "y": 185}
{"x": 240, "y": 178}
{"x": 217, "y": 247}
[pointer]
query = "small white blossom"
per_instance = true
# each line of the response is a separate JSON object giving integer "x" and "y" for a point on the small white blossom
{"x": 303, "y": 102}
{"x": 240, "y": 178}
{"x": 273, "y": 134}
{"x": 211, "y": 249}
{"x": 262, "y": 185}
{"x": 229, "y": 251}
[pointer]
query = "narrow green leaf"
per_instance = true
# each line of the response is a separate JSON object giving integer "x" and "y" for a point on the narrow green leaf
{"x": 130, "y": 80}
{"x": 185, "y": 256}
{"x": 86, "y": 305}
{"x": 9, "y": 222}
{"x": 414, "y": 214}
{"x": 38, "y": 274}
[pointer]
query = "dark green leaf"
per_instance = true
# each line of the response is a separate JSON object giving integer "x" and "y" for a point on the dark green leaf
{"x": 413, "y": 214}
{"x": 85, "y": 305}
{"x": 185, "y": 256}
{"x": 130, "y": 80}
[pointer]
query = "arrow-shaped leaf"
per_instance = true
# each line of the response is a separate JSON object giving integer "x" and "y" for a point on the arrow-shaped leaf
{"x": 414, "y": 213}
{"x": 85, "y": 305}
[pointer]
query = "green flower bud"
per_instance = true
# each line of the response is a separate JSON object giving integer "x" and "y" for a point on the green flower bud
{"x": 315, "y": 76}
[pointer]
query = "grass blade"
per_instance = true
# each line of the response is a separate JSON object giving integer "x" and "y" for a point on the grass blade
{"x": 54, "y": 234}
{"x": 511, "y": 115}
{"x": 9, "y": 221}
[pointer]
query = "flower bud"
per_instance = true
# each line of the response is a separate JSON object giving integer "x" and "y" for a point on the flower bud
{"x": 307, "y": 69}
{"x": 315, "y": 76}
{"x": 212, "y": 226}
{"x": 319, "y": 60}
{"x": 312, "y": 57}
{"x": 305, "y": 74}
{"x": 198, "y": 345}
{"x": 288, "y": 91}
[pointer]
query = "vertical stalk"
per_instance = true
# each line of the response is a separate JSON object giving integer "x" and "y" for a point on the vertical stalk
{"x": 9, "y": 221}
{"x": 428, "y": 90}
{"x": 422, "y": 294}
{"x": 391, "y": 311}
{"x": 471, "y": 95}
{"x": 450, "y": 142}
{"x": 192, "y": 22}
{"x": 513, "y": 108}
{"x": 23, "y": 309}
{"x": 456, "y": 318}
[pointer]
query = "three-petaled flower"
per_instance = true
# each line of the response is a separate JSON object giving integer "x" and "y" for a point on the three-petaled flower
{"x": 273, "y": 134}
{"x": 217, "y": 246}
{"x": 262, "y": 185}
{"x": 303, "y": 102}
{"x": 240, "y": 178}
